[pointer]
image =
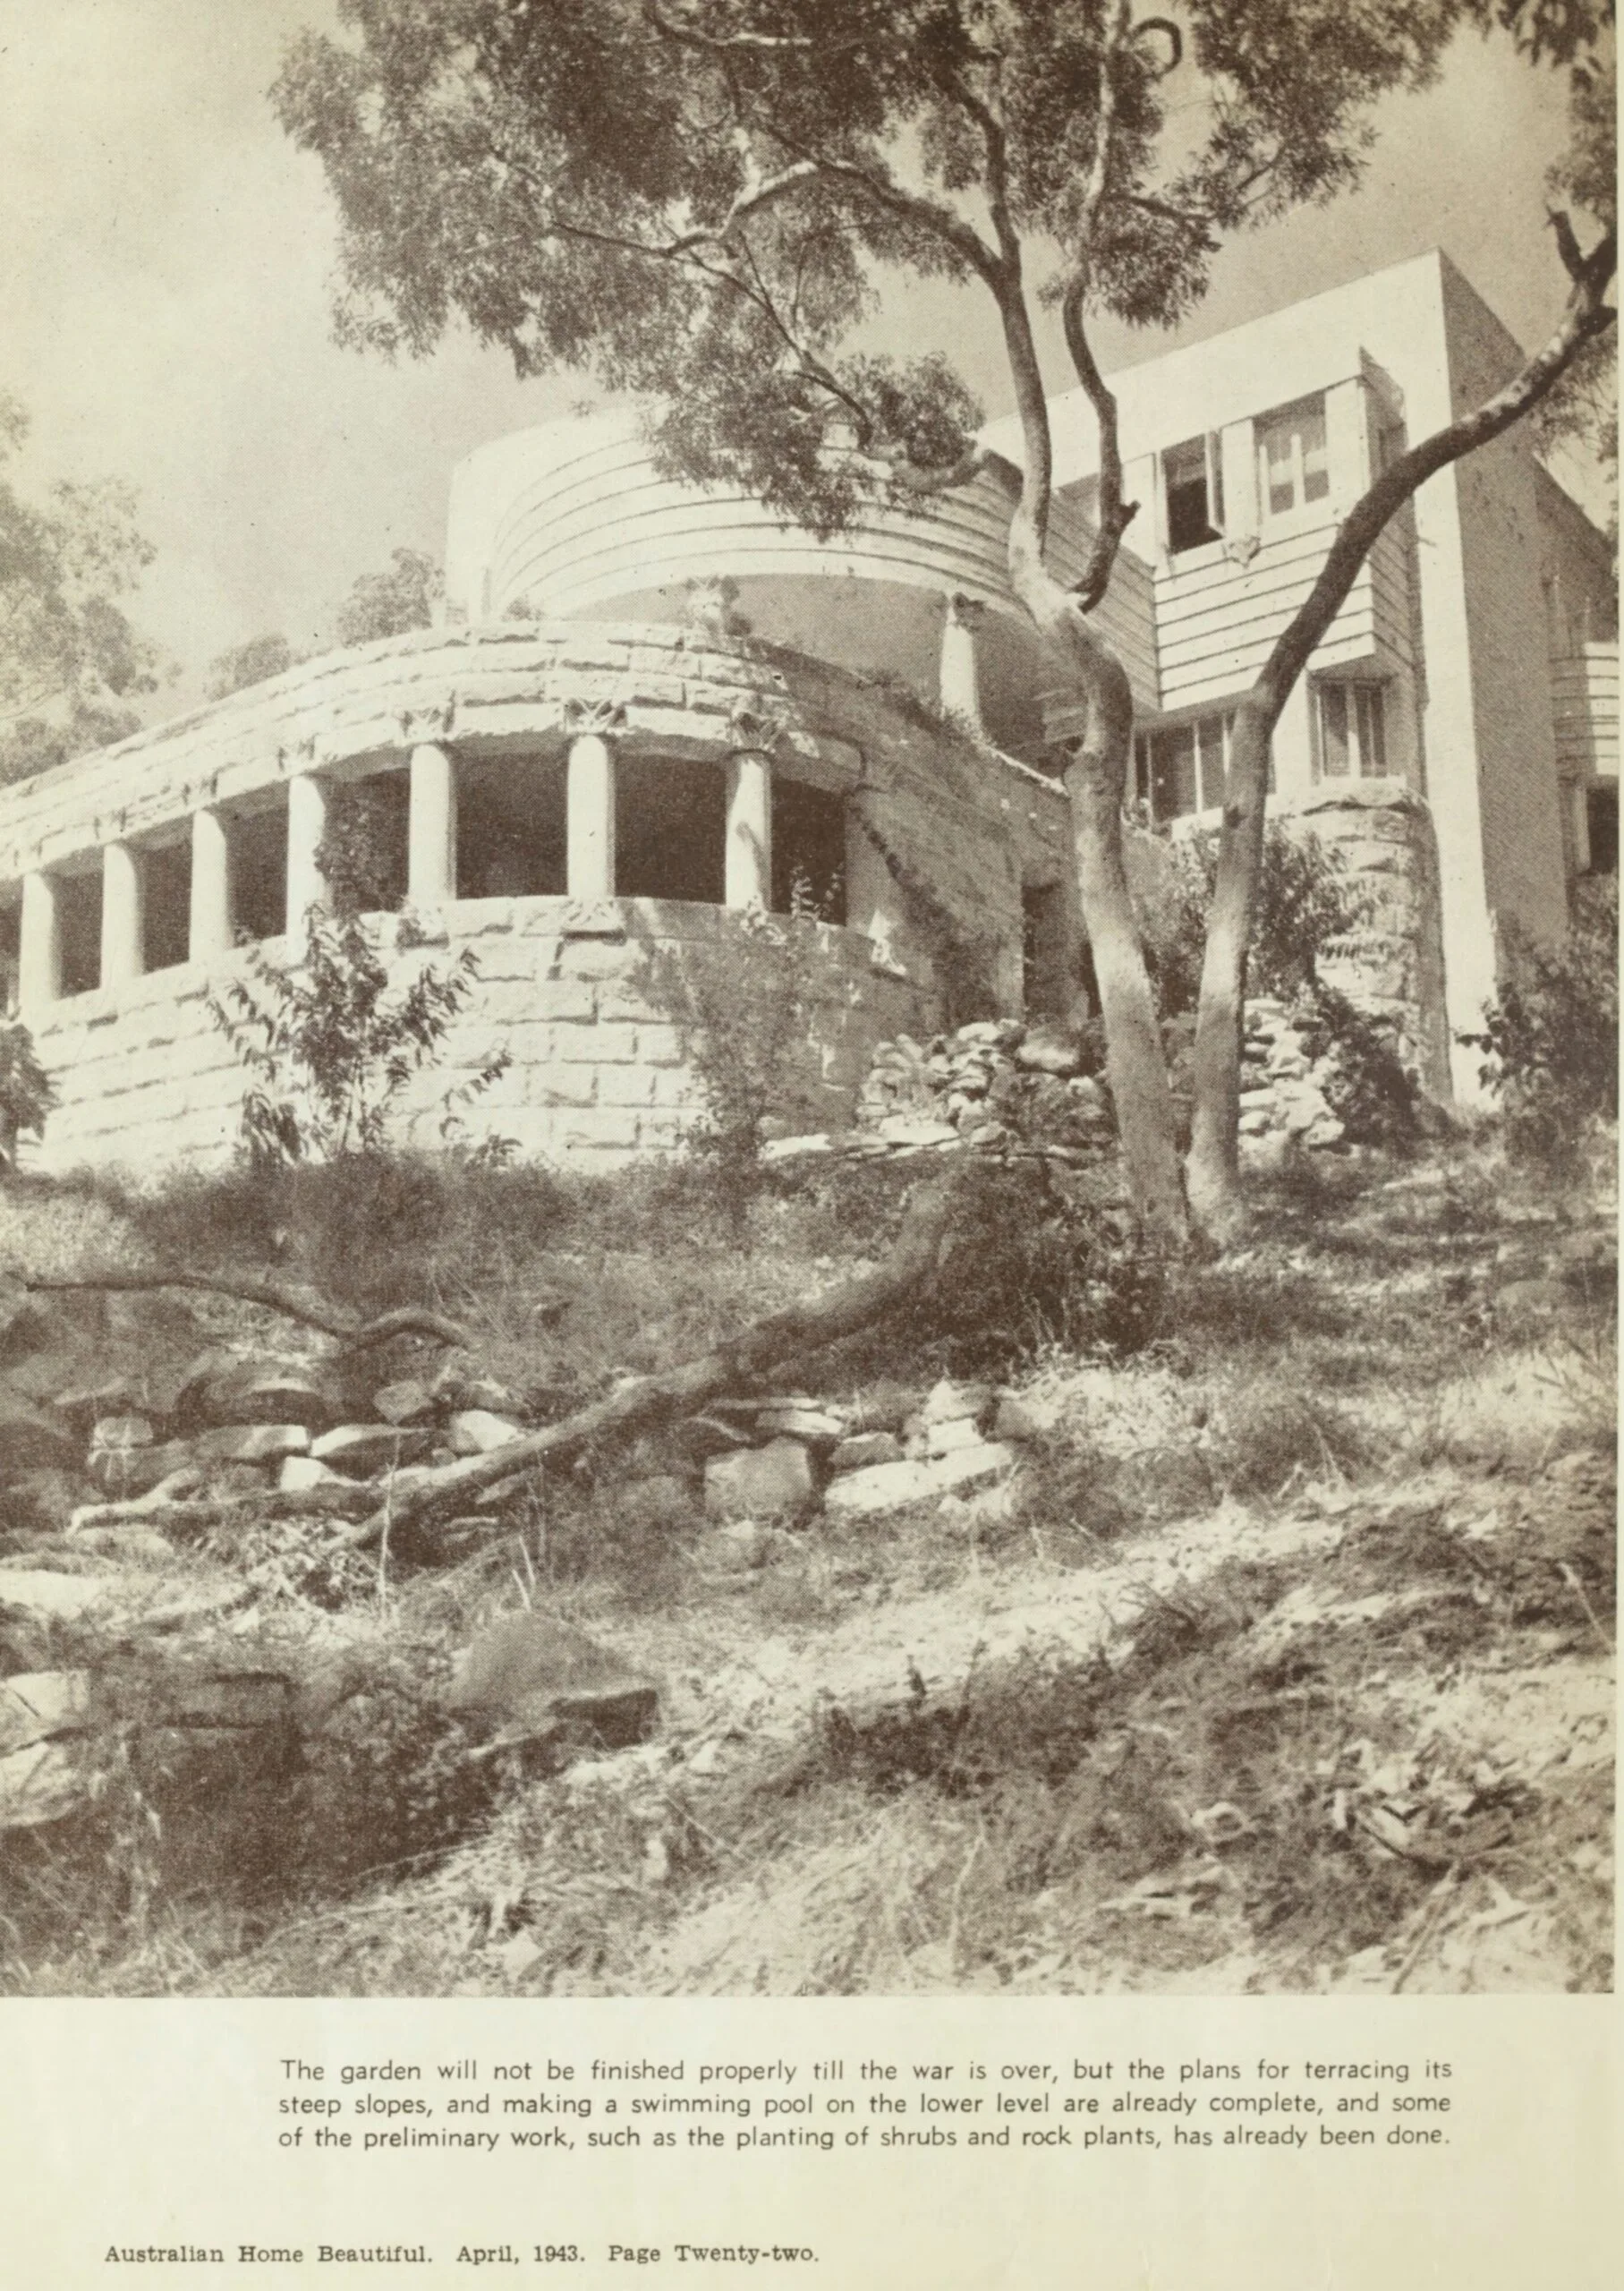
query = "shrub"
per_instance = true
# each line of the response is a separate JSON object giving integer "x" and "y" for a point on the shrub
{"x": 27, "y": 1093}
{"x": 1304, "y": 899}
{"x": 328, "y": 1047}
{"x": 1363, "y": 1080}
{"x": 1550, "y": 1035}
{"x": 743, "y": 1006}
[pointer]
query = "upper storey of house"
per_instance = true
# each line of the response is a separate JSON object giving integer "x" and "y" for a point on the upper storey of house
{"x": 571, "y": 521}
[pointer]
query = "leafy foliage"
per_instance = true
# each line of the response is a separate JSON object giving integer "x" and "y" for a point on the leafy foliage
{"x": 242, "y": 665}
{"x": 67, "y": 651}
{"x": 697, "y": 201}
{"x": 27, "y": 1093}
{"x": 743, "y": 1006}
{"x": 393, "y": 602}
{"x": 1366, "y": 1083}
{"x": 1550, "y": 1037}
{"x": 1305, "y": 899}
{"x": 363, "y": 868}
{"x": 329, "y": 1045}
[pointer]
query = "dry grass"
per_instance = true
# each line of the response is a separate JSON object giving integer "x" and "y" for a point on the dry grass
{"x": 1283, "y": 1663}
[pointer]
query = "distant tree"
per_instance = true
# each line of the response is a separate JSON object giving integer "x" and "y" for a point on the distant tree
{"x": 391, "y": 603}
{"x": 68, "y": 654}
{"x": 701, "y": 200}
{"x": 241, "y": 665}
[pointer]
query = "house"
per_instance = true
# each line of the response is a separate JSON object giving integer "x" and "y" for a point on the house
{"x": 650, "y": 704}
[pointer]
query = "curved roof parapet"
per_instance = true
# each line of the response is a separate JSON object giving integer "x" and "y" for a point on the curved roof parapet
{"x": 570, "y": 520}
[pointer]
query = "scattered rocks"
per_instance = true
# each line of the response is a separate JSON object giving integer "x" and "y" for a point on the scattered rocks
{"x": 760, "y": 1483}
{"x": 476, "y": 1431}
{"x": 863, "y": 1449}
{"x": 892, "y": 1488}
{"x": 252, "y": 1443}
{"x": 49, "y": 1597}
{"x": 360, "y": 1449}
{"x": 537, "y": 1678}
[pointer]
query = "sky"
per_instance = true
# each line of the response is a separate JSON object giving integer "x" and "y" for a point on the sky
{"x": 166, "y": 258}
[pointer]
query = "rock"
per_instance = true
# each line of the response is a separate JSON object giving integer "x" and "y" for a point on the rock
{"x": 476, "y": 1431}
{"x": 252, "y": 1443}
{"x": 916, "y": 1129}
{"x": 947, "y": 1400}
{"x": 701, "y": 1436}
{"x": 36, "y": 1704}
{"x": 890, "y": 1487}
{"x": 51, "y": 1598}
{"x": 866, "y": 1448}
{"x": 42, "y": 1783}
{"x": 30, "y": 1440}
{"x": 946, "y": 1438}
{"x": 1014, "y": 1420}
{"x": 142, "y": 1468}
{"x": 227, "y": 1388}
{"x": 359, "y": 1450}
{"x": 1047, "y": 1051}
{"x": 813, "y": 1426}
{"x": 758, "y": 1483}
{"x": 537, "y": 1678}
{"x": 300, "y": 1472}
{"x": 460, "y": 1384}
{"x": 1326, "y": 1131}
{"x": 410, "y": 1401}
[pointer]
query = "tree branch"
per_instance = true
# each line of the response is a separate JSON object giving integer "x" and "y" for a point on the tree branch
{"x": 653, "y": 1400}
{"x": 1114, "y": 516}
{"x": 407, "y": 1320}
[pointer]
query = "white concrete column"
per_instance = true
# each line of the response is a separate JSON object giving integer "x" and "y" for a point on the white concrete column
{"x": 307, "y": 819}
{"x": 208, "y": 931}
{"x": 747, "y": 872}
{"x": 431, "y": 833}
{"x": 121, "y": 915}
{"x": 960, "y": 684}
{"x": 590, "y": 799}
{"x": 39, "y": 949}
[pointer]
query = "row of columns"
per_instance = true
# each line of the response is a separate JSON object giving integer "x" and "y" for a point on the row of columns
{"x": 431, "y": 871}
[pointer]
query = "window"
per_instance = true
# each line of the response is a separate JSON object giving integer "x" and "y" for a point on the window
{"x": 1181, "y": 767}
{"x": 1352, "y": 730}
{"x": 1601, "y": 821}
{"x": 1292, "y": 464}
{"x": 1193, "y": 478}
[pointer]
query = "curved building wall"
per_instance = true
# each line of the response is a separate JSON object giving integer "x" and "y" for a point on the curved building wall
{"x": 571, "y": 518}
{"x": 131, "y": 873}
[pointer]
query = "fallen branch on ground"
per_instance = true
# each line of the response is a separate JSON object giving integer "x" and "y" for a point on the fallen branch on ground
{"x": 678, "y": 1392}
{"x": 359, "y": 1336}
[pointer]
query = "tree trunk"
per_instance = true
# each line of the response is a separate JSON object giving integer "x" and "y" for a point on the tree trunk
{"x": 1214, "y": 1169}
{"x": 1136, "y": 1066}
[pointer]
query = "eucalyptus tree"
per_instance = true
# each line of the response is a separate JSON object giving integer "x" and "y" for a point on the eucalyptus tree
{"x": 703, "y": 202}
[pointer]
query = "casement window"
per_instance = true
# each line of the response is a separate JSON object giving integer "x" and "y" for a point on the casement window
{"x": 1351, "y": 723}
{"x": 1292, "y": 467}
{"x": 1193, "y": 485}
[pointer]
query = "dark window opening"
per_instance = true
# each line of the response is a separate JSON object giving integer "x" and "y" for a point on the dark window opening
{"x": 166, "y": 905}
{"x": 1048, "y": 982}
{"x": 1601, "y": 819}
{"x": 363, "y": 854}
{"x": 258, "y": 846}
{"x": 1181, "y": 768}
{"x": 511, "y": 827}
{"x": 78, "y": 930}
{"x": 808, "y": 850}
{"x": 670, "y": 830}
{"x": 1193, "y": 478}
{"x": 1353, "y": 731}
{"x": 10, "y": 957}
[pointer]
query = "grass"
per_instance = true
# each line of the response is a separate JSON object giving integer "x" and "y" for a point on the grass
{"x": 1218, "y": 1692}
